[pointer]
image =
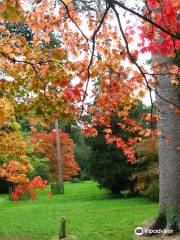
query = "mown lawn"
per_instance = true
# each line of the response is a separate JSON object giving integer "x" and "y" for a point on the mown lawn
{"x": 90, "y": 214}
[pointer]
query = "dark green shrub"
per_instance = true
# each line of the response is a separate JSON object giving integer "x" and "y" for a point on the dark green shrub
{"x": 84, "y": 175}
{"x": 75, "y": 180}
{"x": 109, "y": 166}
{"x": 40, "y": 168}
{"x": 152, "y": 191}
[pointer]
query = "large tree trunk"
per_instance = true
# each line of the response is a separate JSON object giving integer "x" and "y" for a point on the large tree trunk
{"x": 169, "y": 153}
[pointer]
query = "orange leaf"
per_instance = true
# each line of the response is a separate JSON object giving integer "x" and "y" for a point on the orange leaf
{"x": 174, "y": 69}
{"x": 107, "y": 130}
{"x": 178, "y": 111}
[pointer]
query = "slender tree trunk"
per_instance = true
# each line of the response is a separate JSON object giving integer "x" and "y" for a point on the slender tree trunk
{"x": 169, "y": 154}
{"x": 59, "y": 156}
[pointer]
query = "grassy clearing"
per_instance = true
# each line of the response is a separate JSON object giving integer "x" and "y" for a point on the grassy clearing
{"x": 90, "y": 214}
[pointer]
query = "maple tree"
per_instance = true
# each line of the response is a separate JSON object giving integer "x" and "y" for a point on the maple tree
{"x": 12, "y": 143}
{"x": 45, "y": 143}
{"x": 14, "y": 163}
{"x": 42, "y": 79}
{"x": 16, "y": 173}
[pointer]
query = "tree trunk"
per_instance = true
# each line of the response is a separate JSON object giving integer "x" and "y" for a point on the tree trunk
{"x": 169, "y": 153}
{"x": 59, "y": 157}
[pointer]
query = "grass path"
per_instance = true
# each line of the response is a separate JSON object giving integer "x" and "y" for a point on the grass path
{"x": 90, "y": 215}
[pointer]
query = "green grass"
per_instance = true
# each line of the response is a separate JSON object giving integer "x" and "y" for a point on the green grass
{"x": 90, "y": 215}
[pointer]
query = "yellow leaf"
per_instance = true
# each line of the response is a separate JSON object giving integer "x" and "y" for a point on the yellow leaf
{"x": 67, "y": 1}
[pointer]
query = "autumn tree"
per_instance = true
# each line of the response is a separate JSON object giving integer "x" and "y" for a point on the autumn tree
{"x": 14, "y": 162}
{"x": 43, "y": 80}
{"x": 82, "y": 149}
{"x": 45, "y": 143}
{"x": 12, "y": 144}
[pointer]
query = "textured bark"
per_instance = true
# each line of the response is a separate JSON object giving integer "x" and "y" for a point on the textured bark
{"x": 169, "y": 155}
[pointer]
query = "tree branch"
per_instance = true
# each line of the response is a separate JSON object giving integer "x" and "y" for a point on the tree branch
{"x": 121, "y": 5}
{"x": 92, "y": 54}
{"x": 69, "y": 15}
{"x": 21, "y": 61}
{"x": 137, "y": 65}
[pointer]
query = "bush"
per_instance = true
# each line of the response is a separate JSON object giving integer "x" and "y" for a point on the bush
{"x": 75, "y": 180}
{"x": 146, "y": 173}
{"x": 22, "y": 196}
{"x": 82, "y": 155}
{"x": 84, "y": 175}
{"x": 152, "y": 191}
{"x": 40, "y": 168}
